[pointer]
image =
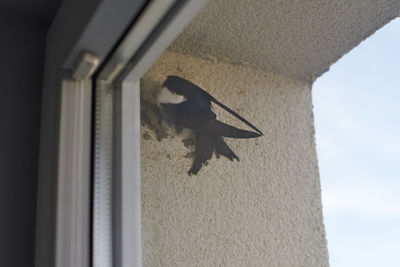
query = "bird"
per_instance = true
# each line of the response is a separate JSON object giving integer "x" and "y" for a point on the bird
{"x": 184, "y": 104}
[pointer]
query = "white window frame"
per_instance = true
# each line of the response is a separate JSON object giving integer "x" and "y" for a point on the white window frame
{"x": 64, "y": 212}
{"x": 73, "y": 189}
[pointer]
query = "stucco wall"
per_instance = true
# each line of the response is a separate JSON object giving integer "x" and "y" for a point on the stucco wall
{"x": 299, "y": 39}
{"x": 262, "y": 211}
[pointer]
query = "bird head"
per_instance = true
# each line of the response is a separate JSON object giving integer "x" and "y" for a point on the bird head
{"x": 171, "y": 91}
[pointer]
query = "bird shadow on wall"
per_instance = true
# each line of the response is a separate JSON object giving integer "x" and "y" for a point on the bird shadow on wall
{"x": 181, "y": 105}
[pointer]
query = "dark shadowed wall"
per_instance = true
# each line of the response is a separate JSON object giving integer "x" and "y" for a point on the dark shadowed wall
{"x": 22, "y": 49}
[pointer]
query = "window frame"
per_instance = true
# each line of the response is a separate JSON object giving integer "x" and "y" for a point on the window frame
{"x": 159, "y": 24}
{"x": 75, "y": 29}
{"x": 64, "y": 196}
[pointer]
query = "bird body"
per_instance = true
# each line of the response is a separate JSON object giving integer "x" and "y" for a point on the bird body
{"x": 187, "y": 105}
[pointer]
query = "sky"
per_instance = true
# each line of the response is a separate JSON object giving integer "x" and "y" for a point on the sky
{"x": 357, "y": 121}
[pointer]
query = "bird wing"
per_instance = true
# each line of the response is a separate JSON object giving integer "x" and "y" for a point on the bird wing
{"x": 218, "y": 128}
{"x": 233, "y": 113}
{"x": 186, "y": 115}
{"x": 198, "y": 96}
{"x": 204, "y": 121}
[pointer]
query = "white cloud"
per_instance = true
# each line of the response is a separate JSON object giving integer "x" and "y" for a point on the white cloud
{"x": 365, "y": 200}
{"x": 348, "y": 185}
{"x": 357, "y": 120}
{"x": 334, "y": 115}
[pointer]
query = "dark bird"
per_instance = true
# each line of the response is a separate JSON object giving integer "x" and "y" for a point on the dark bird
{"x": 184, "y": 104}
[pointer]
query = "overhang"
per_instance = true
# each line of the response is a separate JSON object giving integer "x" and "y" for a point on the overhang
{"x": 299, "y": 39}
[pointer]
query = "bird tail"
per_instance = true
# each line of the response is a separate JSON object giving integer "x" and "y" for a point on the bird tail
{"x": 205, "y": 146}
{"x": 221, "y": 148}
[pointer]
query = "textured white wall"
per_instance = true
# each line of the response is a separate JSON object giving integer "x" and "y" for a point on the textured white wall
{"x": 262, "y": 211}
{"x": 299, "y": 39}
